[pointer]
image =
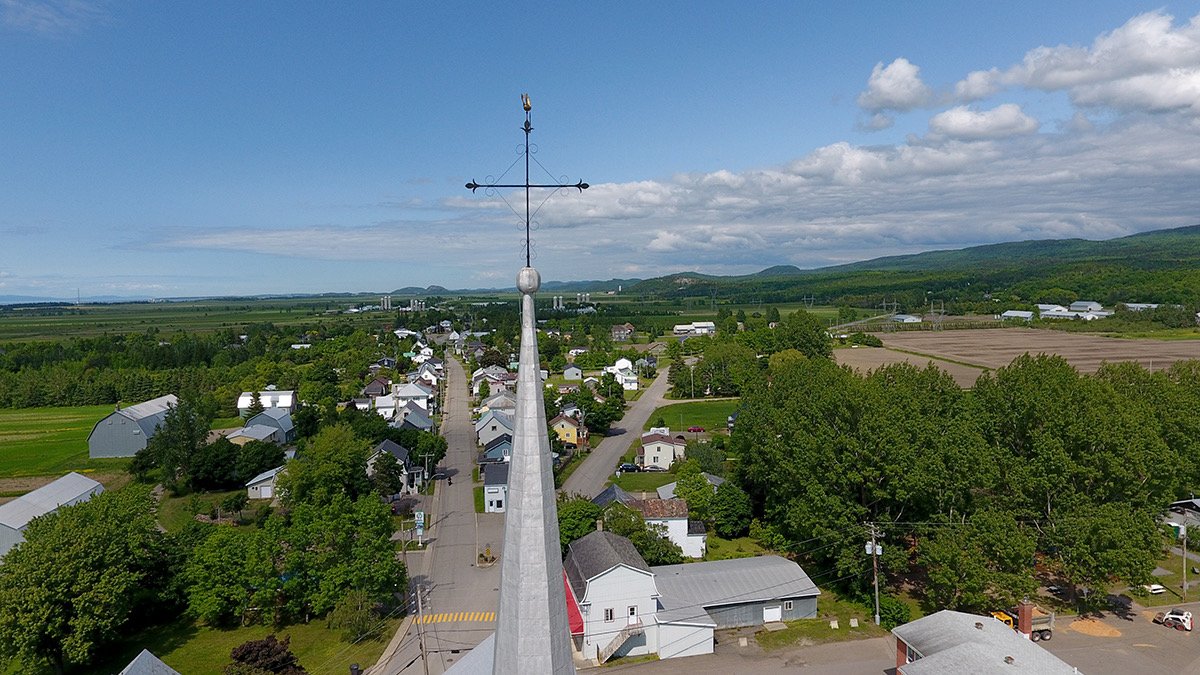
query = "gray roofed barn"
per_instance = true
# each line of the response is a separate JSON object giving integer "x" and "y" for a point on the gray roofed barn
{"x": 16, "y": 515}
{"x": 280, "y": 419}
{"x": 124, "y": 431}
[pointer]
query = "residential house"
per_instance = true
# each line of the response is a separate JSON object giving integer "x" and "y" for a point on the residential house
{"x": 413, "y": 393}
{"x": 278, "y": 418}
{"x": 377, "y": 387}
{"x": 670, "y": 514}
{"x": 493, "y": 424}
{"x": 504, "y": 402}
{"x": 495, "y": 486}
{"x": 414, "y": 476}
{"x": 16, "y": 515}
{"x": 591, "y": 382}
{"x": 572, "y": 372}
{"x": 124, "y": 431}
{"x": 363, "y": 404}
{"x": 411, "y": 416}
{"x": 499, "y": 449}
{"x": 660, "y": 450}
{"x": 950, "y": 642}
{"x": 621, "y": 364}
{"x": 619, "y": 606}
{"x": 269, "y": 398}
{"x": 262, "y": 486}
{"x": 570, "y": 430}
{"x": 254, "y": 432}
{"x": 622, "y": 332}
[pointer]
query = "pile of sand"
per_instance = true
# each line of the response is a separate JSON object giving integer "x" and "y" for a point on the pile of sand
{"x": 1094, "y": 627}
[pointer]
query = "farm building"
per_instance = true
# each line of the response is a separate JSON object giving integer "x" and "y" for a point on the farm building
{"x": 72, "y": 488}
{"x": 906, "y": 318}
{"x": 126, "y": 430}
{"x": 269, "y": 398}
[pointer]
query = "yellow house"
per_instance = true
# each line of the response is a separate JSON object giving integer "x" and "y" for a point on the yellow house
{"x": 569, "y": 430}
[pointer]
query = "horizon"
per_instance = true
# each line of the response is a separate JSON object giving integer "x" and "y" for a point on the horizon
{"x": 230, "y": 150}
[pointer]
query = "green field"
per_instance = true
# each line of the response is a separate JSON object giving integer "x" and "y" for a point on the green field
{"x": 48, "y": 441}
{"x": 643, "y": 481}
{"x": 712, "y": 415}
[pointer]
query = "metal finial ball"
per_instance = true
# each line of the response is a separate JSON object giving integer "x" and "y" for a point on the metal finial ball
{"x": 528, "y": 280}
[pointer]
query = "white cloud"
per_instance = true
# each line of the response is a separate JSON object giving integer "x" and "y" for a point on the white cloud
{"x": 967, "y": 124}
{"x": 897, "y": 86}
{"x": 50, "y": 17}
{"x": 1148, "y": 64}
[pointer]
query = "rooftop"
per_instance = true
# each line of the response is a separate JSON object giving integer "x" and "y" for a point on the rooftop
{"x": 966, "y": 644}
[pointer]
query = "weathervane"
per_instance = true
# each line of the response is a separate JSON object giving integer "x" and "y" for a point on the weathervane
{"x": 491, "y": 185}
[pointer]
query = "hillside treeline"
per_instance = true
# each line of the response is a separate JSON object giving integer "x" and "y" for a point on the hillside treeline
{"x": 1037, "y": 470}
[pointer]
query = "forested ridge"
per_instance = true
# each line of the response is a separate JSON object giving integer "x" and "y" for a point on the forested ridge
{"x": 1159, "y": 267}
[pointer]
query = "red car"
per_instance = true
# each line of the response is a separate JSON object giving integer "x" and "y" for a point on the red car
{"x": 696, "y": 429}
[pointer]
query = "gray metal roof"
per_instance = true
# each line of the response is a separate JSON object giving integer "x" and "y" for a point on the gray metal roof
{"x": 259, "y": 432}
{"x": 613, "y": 493}
{"x": 668, "y": 491}
{"x": 689, "y": 589}
{"x": 957, "y": 643}
{"x": 394, "y": 449}
{"x": 149, "y": 408}
{"x": 280, "y": 417}
{"x": 265, "y": 475}
{"x": 69, "y": 489}
{"x": 495, "y": 474}
{"x": 147, "y": 664}
{"x": 596, "y": 553}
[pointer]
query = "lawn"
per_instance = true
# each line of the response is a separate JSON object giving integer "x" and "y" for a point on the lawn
{"x": 643, "y": 482}
{"x": 712, "y": 415}
{"x": 192, "y": 649}
{"x": 818, "y": 631}
{"x": 50, "y": 441}
{"x": 175, "y": 512}
{"x": 479, "y": 500}
{"x": 717, "y": 548}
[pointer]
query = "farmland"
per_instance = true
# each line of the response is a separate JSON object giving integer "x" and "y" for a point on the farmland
{"x": 50, "y": 441}
{"x": 864, "y": 359}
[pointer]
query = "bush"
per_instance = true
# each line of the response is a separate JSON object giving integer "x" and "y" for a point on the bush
{"x": 893, "y": 612}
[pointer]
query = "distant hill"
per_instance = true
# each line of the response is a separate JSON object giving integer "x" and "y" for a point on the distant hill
{"x": 1160, "y": 266}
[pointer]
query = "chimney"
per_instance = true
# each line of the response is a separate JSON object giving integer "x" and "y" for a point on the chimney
{"x": 1025, "y": 619}
{"x": 978, "y": 625}
{"x": 1008, "y": 660}
{"x": 600, "y": 525}
{"x": 118, "y": 407}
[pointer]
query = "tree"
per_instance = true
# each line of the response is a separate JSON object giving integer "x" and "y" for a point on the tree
{"x": 223, "y": 572}
{"x": 267, "y": 655}
{"x": 485, "y": 390}
{"x": 178, "y": 439}
{"x": 389, "y": 477}
{"x": 334, "y": 463}
{"x": 577, "y": 517}
{"x": 257, "y": 457}
{"x": 256, "y": 406}
{"x": 357, "y": 617}
{"x": 730, "y": 510}
{"x": 493, "y": 357}
{"x": 650, "y": 541}
{"x": 76, "y": 581}
{"x": 235, "y": 502}
{"x": 694, "y": 488}
{"x": 214, "y": 466}
{"x": 803, "y": 332}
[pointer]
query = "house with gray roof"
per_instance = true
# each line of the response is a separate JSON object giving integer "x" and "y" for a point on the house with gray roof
{"x": 124, "y": 431}
{"x": 254, "y": 432}
{"x": 414, "y": 476}
{"x": 16, "y": 515}
{"x": 668, "y": 491}
{"x": 493, "y": 424}
{"x": 954, "y": 643}
{"x": 280, "y": 419}
{"x": 626, "y": 607}
{"x": 262, "y": 486}
{"x": 495, "y": 487}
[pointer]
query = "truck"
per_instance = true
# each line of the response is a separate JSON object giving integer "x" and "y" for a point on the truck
{"x": 1042, "y": 625}
{"x": 1175, "y": 618}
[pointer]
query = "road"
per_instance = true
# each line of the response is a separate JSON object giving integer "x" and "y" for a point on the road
{"x": 591, "y": 475}
{"x": 458, "y": 597}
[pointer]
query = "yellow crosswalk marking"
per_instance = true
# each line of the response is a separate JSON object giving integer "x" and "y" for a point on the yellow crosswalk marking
{"x": 448, "y": 617}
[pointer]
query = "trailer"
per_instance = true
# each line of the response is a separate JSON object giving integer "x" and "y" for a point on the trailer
{"x": 1041, "y": 627}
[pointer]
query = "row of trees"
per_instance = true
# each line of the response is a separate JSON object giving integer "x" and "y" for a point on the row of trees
{"x": 1037, "y": 463}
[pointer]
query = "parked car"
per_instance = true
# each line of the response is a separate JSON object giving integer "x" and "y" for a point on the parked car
{"x": 698, "y": 430}
{"x": 629, "y": 468}
{"x": 655, "y": 469}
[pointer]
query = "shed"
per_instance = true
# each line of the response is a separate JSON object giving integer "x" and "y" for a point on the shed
{"x": 262, "y": 486}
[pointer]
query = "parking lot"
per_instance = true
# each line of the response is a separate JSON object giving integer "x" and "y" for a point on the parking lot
{"x": 1133, "y": 644}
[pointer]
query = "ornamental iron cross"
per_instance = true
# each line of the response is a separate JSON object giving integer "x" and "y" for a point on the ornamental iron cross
{"x": 490, "y": 186}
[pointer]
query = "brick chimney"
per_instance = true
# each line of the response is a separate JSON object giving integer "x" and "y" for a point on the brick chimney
{"x": 1025, "y": 619}
{"x": 901, "y": 653}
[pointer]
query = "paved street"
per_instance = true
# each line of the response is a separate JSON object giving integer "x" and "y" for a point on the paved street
{"x": 459, "y": 598}
{"x": 593, "y": 472}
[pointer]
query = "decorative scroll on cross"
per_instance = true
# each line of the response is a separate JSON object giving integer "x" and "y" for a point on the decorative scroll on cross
{"x": 473, "y": 186}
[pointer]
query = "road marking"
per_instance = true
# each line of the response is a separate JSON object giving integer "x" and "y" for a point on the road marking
{"x": 448, "y": 617}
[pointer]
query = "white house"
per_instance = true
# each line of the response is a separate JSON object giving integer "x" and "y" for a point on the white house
{"x": 613, "y": 589}
{"x": 412, "y": 393}
{"x": 413, "y": 476}
{"x": 269, "y": 397}
{"x": 493, "y": 424}
{"x": 15, "y": 516}
{"x": 572, "y": 372}
{"x": 660, "y": 450}
{"x": 672, "y": 515}
{"x": 262, "y": 486}
{"x": 495, "y": 486}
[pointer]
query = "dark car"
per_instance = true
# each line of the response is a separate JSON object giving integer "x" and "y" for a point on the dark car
{"x": 655, "y": 469}
{"x": 629, "y": 468}
{"x": 696, "y": 429}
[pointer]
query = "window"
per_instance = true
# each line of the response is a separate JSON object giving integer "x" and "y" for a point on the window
{"x": 787, "y": 605}
{"x": 608, "y": 614}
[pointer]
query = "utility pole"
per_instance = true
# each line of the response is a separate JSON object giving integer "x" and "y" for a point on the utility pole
{"x": 421, "y": 632}
{"x": 1185, "y": 559}
{"x": 874, "y": 549}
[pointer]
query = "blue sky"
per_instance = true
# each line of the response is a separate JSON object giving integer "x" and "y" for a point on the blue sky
{"x": 177, "y": 149}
